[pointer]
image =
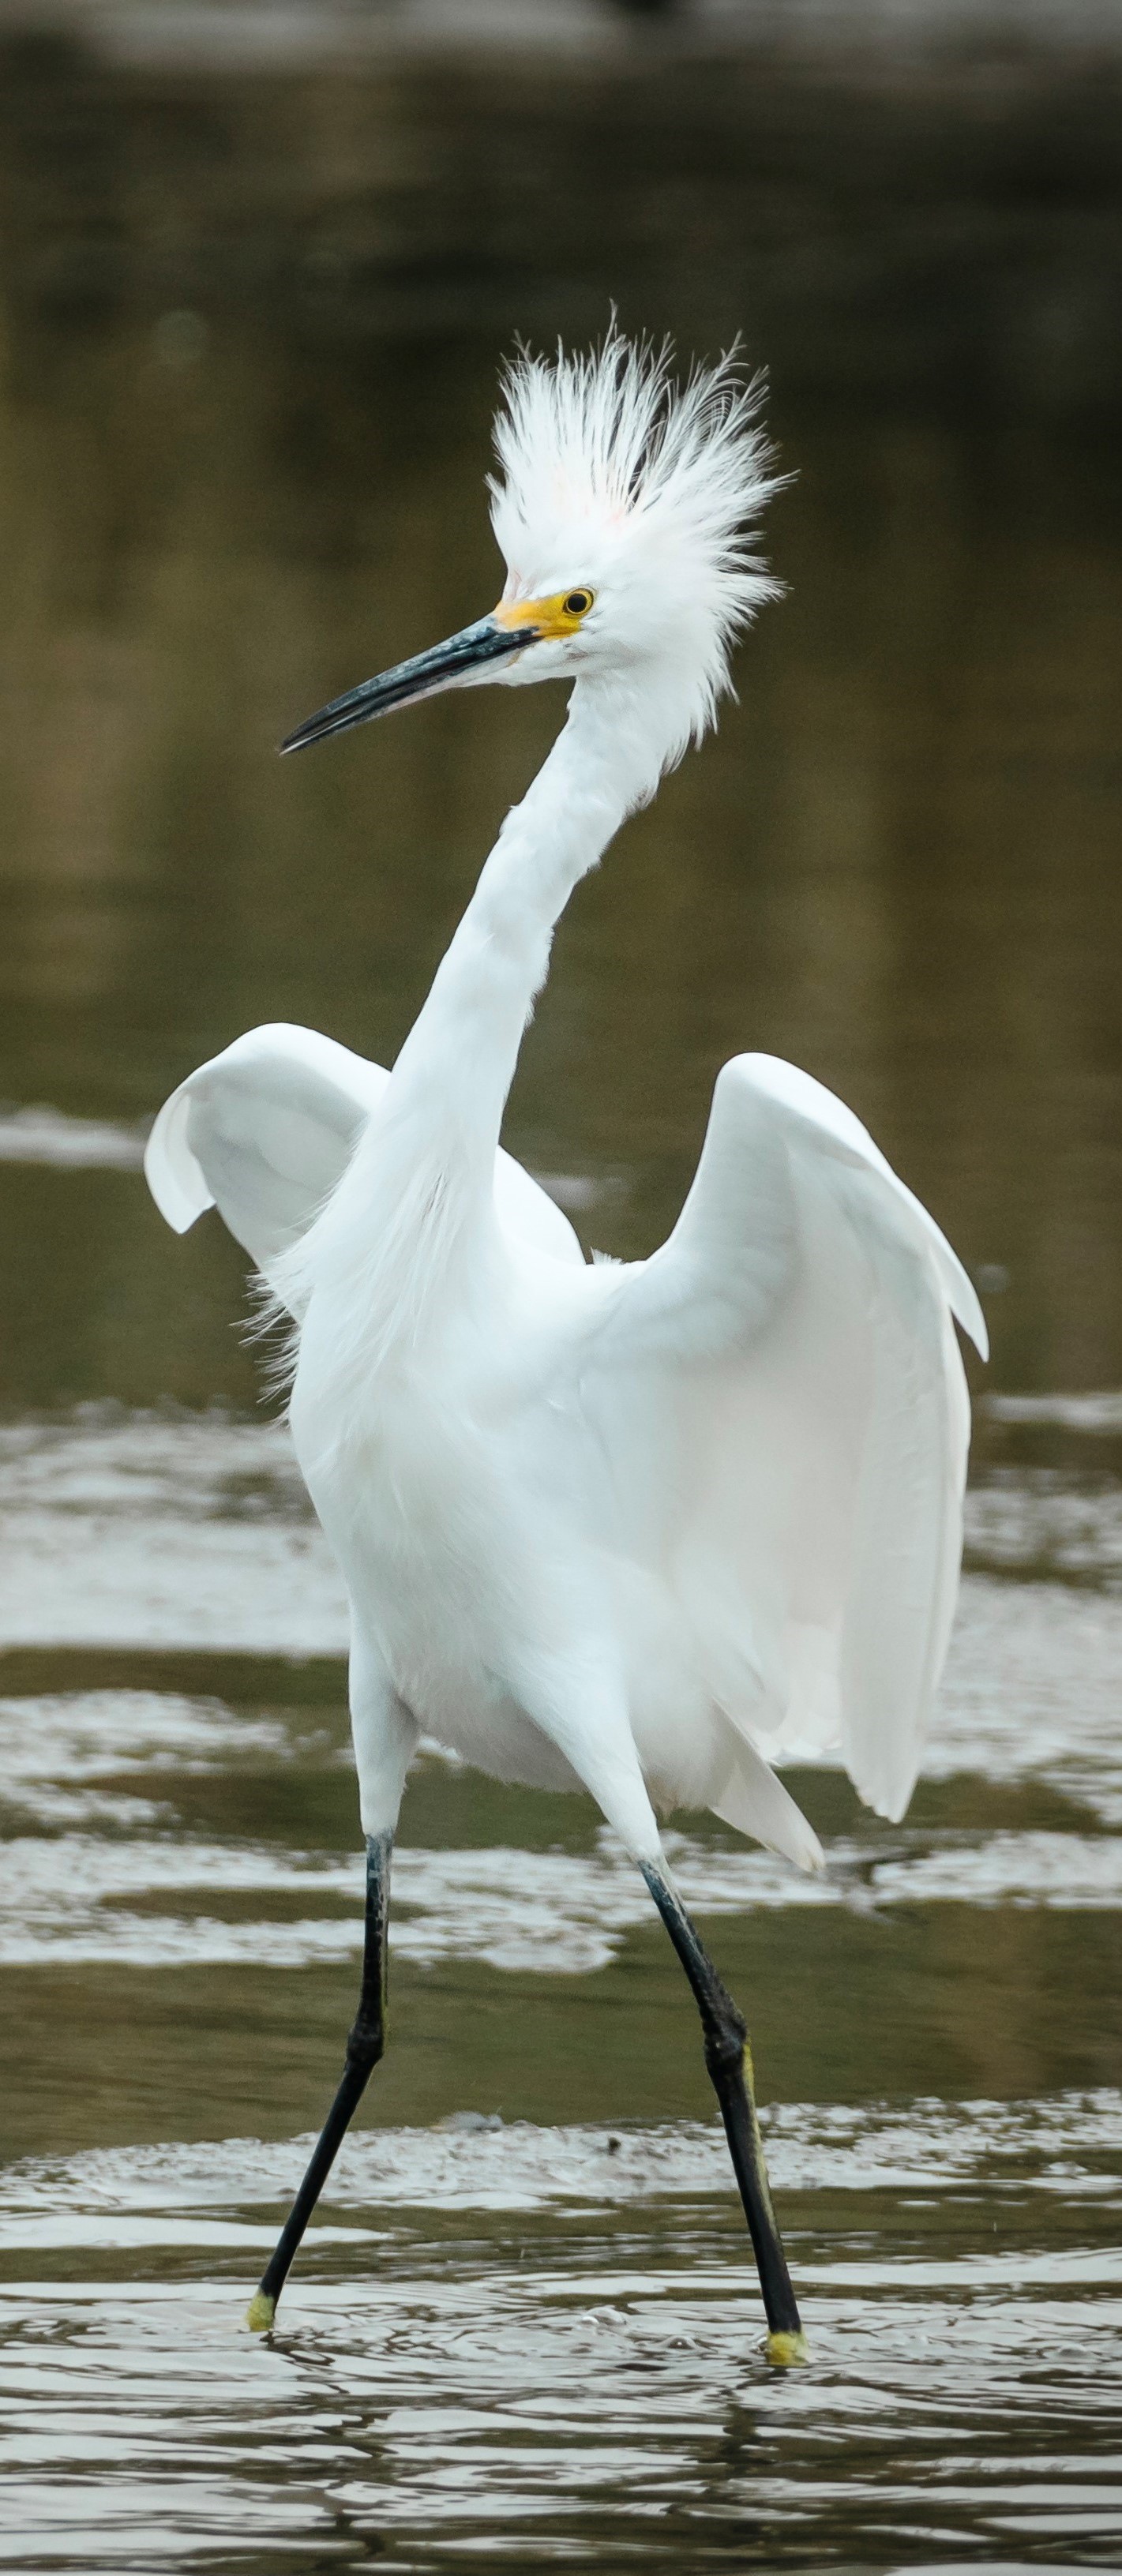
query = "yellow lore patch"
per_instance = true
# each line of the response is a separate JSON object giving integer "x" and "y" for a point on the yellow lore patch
{"x": 552, "y": 619}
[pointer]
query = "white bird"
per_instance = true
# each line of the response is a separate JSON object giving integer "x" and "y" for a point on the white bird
{"x": 643, "y": 1528}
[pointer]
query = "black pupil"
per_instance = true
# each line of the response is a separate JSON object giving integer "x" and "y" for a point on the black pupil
{"x": 577, "y": 602}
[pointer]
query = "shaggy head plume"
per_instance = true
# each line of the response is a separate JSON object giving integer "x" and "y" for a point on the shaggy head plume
{"x": 614, "y": 478}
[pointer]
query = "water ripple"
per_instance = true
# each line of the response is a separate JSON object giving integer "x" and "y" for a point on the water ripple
{"x": 562, "y": 2391}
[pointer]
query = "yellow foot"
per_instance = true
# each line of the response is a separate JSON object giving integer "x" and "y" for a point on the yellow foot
{"x": 784, "y": 2351}
{"x": 261, "y": 2311}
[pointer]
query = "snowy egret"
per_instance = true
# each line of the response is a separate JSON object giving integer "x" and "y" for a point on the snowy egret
{"x": 639, "y": 1527}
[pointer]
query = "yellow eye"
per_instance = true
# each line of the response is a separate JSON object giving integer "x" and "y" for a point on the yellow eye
{"x": 576, "y": 603}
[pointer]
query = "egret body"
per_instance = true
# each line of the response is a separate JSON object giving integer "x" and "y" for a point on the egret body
{"x": 642, "y": 1528}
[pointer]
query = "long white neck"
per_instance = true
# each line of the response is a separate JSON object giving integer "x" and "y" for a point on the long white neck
{"x": 463, "y": 1047}
{"x": 401, "y": 1248}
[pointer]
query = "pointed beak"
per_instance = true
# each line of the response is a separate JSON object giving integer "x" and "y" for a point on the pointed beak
{"x": 445, "y": 666}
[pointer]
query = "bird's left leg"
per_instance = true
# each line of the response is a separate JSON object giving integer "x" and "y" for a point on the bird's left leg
{"x": 728, "y": 2057}
{"x": 586, "y": 1717}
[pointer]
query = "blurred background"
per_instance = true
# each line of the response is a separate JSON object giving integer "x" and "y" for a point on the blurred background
{"x": 258, "y": 266}
{"x": 260, "y": 261}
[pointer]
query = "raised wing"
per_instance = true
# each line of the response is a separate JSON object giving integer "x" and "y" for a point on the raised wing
{"x": 266, "y": 1129}
{"x": 782, "y": 1403}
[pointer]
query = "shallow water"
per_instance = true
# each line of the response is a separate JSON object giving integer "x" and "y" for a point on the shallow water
{"x": 536, "y": 2344}
{"x": 251, "y": 329}
{"x": 524, "y": 2326}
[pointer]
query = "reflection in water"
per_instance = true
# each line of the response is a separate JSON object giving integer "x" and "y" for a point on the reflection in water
{"x": 250, "y": 336}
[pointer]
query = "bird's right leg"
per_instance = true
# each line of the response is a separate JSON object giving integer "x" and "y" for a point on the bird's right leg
{"x": 365, "y": 2043}
{"x": 385, "y": 1737}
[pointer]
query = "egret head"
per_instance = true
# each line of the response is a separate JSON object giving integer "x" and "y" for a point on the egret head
{"x": 625, "y": 507}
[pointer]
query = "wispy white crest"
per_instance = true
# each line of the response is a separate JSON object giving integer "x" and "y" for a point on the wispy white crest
{"x": 611, "y": 473}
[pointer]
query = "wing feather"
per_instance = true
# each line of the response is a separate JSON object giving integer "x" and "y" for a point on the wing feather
{"x": 265, "y": 1130}
{"x": 789, "y": 1359}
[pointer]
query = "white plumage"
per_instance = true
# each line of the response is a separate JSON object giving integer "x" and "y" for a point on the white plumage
{"x": 647, "y": 1527}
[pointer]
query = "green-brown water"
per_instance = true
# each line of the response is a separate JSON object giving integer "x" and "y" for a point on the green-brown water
{"x": 250, "y": 336}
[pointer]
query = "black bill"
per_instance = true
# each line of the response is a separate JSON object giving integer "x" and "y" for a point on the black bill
{"x": 444, "y": 666}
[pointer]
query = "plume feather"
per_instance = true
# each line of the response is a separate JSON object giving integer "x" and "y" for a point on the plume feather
{"x": 609, "y": 469}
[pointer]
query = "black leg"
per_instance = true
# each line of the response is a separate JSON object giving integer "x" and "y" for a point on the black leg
{"x": 729, "y": 2060}
{"x": 365, "y": 2044}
